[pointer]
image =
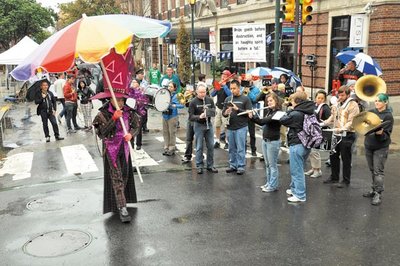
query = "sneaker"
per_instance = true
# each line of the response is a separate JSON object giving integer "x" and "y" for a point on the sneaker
{"x": 186, "y": 160}
{"x": 342, "y": 184}
{"x": 376, "y": 200}
{"x": 124, "y": 215}
{"x": 254, "y": 153}
{"x": 369, "y": 194}
{"x": 263, "y": 186}
{"x": 59, "y": 138}
{"x": 226, "y": 146}
{"x": 138, "y": 147}
{"x": 216, "y": 145}
{"x": 212, "y": 170}
{"x": 230, "y": 170}
{"x": 289, "y": 192}
{"x": 47, "y": 139}
{"x": 170, "y": 153}
{"x": 269, "y": 189}
{"x": 316, "y": 174}
{"x": 70, "y": 131}
{"x": 328, "y": 163}
{"x": 78, "y": 128}
{"x": 330, "y": 181}
{"x": 295, "y": 199}
{"x": 309, "y": 172}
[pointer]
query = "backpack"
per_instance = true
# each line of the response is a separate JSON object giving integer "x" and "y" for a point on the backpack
{"x": 311, "y": 134}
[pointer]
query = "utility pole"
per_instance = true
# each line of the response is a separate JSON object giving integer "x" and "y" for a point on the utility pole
{"x": 296, "y": 36}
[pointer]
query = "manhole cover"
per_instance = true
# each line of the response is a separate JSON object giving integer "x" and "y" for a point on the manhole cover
{"x": 57, "y": 243}
{"x": 52, "y": 203}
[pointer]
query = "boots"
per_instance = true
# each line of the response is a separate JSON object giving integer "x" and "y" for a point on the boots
{"x": 124, "y": 215}
{"x": 376, "y": 200}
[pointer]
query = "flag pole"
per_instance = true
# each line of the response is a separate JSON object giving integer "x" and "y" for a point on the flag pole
{"x": 121, "y": 121}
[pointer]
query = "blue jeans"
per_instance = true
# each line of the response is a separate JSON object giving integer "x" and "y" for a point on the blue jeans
{"x": 270, "y": 151}
{"x": 201, "y": 132}
{"x": 237, "y": 148}
{"x": 298, "y": 155}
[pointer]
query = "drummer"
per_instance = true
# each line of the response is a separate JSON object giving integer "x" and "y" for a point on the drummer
{"x": 170, "y": 119}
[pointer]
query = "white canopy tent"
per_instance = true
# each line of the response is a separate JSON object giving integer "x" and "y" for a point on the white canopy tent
{"x": 15, "y": 55}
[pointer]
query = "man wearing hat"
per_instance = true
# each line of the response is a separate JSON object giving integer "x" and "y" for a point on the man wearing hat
{"x": 47, "y": 109}
{"x": 220, "y": 120}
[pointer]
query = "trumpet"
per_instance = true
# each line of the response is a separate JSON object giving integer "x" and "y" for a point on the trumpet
{"x": 246, "y": 91}
{"x": 185, "y": 97}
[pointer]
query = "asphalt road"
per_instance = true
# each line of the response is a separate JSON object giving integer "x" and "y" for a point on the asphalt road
{"x": 51, "y": 213}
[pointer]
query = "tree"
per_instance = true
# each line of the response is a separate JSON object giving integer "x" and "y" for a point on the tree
{"x": 19, "y": 18}
{"x": 72, "y": 11}
{"x": 183, "y": 45}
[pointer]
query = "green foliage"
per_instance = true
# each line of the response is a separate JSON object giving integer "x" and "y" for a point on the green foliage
{"x": 183, "y": 45}
{"x": 19, "y": 18}
{"x": 72, "y": 11}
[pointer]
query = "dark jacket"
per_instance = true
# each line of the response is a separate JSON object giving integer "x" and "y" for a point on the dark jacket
{"x": 235, "y": 121}
{"x": 47, "y": 104}
{"x": 376, "y": 142}
{"x": 85, "y": 94}
{"x": 196, "y": 108}
{"x": 294, "y": 120}
{"x": 271, "y": 128}
{"x": 323, "y": 113}
{"x": 350, "y": 75}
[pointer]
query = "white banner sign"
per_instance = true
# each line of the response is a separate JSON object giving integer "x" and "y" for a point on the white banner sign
{"x": 357, "y": 30}
{"x": 213, "y": 45}
{"x": 249, "y": 43}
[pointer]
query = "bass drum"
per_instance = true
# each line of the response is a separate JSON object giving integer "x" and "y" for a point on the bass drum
{"x": 159, "y": 98}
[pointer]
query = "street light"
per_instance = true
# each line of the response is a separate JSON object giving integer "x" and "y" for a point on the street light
{"x": 192, "y": 4}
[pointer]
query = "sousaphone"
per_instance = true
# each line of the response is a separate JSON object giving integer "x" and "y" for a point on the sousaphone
{"x": 367, "y": 123}
{"x": 368, "y": 87}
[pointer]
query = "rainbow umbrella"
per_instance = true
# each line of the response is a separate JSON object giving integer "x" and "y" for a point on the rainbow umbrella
{"x": 90, "y": 39}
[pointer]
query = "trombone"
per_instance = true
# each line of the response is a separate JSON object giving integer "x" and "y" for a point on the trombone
{"x": 217, "y": 85}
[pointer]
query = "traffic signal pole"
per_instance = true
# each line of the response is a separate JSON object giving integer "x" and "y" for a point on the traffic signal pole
{"x": 277, "y": 32}
{"x": 296, "y": 35}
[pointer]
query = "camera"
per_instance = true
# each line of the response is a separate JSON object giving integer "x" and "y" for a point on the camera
{"x": 266, "y": 82}
{"x": 311, "y": 60}
{"x": 245, "y": 83}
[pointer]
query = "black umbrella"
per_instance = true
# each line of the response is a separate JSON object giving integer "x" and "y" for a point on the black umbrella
{"x": 34, "y": 89}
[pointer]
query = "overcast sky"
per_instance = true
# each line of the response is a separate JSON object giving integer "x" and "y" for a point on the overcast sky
{"x": 52, "y": 3}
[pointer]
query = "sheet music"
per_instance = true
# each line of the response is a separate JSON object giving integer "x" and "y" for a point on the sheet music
{"x": 278, "y": 115}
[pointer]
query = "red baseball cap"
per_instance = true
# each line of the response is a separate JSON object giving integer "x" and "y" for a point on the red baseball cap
{"x": 226, "y": 72}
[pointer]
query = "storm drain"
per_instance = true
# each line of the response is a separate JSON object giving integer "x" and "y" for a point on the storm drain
{"x": 57, "y": 243}
{"x": 52, "y": 203}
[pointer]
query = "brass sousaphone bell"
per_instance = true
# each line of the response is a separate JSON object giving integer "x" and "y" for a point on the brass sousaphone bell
{"x": 368, "y": 87}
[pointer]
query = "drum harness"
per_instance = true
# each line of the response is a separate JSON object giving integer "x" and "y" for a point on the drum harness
{"x": 337, "y": 137}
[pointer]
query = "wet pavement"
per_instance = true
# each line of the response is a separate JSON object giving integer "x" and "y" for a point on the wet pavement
{"x": 54, "y": 217}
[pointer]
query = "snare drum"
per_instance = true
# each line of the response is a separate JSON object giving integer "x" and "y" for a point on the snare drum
{"x": 327, "y": 140}
{"x": 159, "y": 98}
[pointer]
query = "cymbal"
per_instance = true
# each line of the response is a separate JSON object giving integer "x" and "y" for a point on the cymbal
{"x": 365, "y": 121}
{"x": 378, "y": 127}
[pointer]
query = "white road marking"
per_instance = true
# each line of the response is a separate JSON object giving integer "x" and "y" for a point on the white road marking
{"x": 78, "y": 160}
{"x": 18, "y": 165}
{"x": 144, "y": 159}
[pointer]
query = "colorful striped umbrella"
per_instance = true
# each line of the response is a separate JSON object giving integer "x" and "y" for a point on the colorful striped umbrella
{"x": 90, "y": 39}
{"x": 259, "y": 71}
{"x": 364, "y": 63}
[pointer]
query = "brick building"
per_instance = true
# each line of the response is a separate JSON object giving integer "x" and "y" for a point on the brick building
{"x": 326, "y": 35}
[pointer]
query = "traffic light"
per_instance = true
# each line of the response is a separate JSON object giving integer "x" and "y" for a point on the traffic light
{"x": 288, "y": 10}
{"x": 306, "y": 11}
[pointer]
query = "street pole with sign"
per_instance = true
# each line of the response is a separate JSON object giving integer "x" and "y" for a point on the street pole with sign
{"x": 192, "y": 5}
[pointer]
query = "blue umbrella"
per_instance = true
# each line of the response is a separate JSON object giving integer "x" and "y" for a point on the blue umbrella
{"x": 364, "y": 62}
{"x": 276, "y": 72}
{"x": 259, "y": 71}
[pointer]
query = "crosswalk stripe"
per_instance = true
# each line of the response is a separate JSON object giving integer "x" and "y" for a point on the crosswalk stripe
{"x": 78, "y": 160}
{"x": 18, "y": 165}
{"x": 143, "y": 158}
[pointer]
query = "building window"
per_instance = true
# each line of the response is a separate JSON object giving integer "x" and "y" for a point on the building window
{"x": 177, "y": 12}
{"x": 186, "y": 10}
{"x": 224, "y": 3}
{"x": 239, "y": 2}
{"x": 340, "y": 40}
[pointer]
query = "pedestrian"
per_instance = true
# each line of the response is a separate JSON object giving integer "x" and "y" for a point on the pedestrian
{"x": 201, "y": 110}
{"x": 189, "y": 129}
{"x": 71, "y": 103}
{"x": 298, "y": 153}
{"x": 222, "y": 93}
{"x": 85, "y": 93}
{"x": 377, "y": 148}
{"x": 155, "y": 75}
{"x": 343, "y": 137}
{"x": 47, "y": 108}
{"x": 119, "y": 184}
{"x": 322, "y": 112}
{"x": 170, "y": 76}
{"x": 271, "y": 142}
{"x": 135, "y": 86}
{"x": 170, "y": 118}
{"x": 237, "y": 127}
{"x": 58, "y": 87}
{"x": 289, "y": 86}
{"x": 349, "y": 72}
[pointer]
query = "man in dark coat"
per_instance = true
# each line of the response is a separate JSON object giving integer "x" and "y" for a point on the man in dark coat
{"x": 47, "y": 109}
